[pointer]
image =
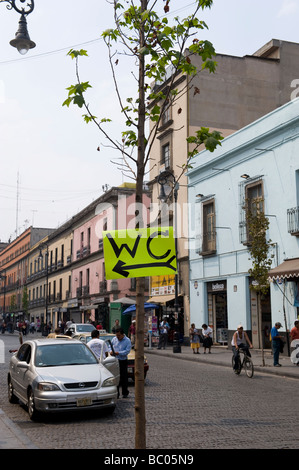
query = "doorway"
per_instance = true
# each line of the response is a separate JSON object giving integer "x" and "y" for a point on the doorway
{"x": 217, "y": 311}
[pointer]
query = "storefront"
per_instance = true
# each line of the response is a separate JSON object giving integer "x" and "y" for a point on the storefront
{"x": 217, "y": 310}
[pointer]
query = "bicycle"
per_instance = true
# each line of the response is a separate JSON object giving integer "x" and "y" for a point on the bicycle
{"x": 244, "y": 362}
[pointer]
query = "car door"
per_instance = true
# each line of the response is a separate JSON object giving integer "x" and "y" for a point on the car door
{"x": 19, "y": 370}
{"x": 110, "y": 362}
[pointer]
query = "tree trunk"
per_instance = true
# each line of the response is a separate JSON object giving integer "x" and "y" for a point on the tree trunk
{"x": 140, "y": 432}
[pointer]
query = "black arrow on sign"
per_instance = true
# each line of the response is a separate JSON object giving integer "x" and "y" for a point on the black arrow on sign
{"x": 123, "y": 269}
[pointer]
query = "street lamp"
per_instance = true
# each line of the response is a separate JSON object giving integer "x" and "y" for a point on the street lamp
{"x": 3, "y": 276}
{"x": 40, "y": 257}
{"x": 163, "y": 180}
{"x": 22, "y": 40}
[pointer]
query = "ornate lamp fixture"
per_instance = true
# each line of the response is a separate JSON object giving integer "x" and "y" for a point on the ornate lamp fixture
{"x": 22, "y": 40}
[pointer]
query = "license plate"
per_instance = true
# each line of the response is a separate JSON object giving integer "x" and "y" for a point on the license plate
{"x": 84, "y": 402}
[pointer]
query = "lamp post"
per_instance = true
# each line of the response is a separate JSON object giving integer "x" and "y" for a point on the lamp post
{"x": 163, "y": 180}
{"x": 22, "y": 40}
{"x": 40, "y": 256}
{"x": 3, "y": 276}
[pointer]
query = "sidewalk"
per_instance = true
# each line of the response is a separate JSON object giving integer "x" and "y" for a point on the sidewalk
{"x": 221, "y": 355}
{"x": 11, "y": 436}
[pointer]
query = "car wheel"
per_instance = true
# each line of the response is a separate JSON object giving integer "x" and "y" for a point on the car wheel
{"x": 33, "y": 414}
{"x": 11, "y": 396}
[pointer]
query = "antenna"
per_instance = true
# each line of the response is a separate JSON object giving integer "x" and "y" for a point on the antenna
{"x": 17, "y": 209}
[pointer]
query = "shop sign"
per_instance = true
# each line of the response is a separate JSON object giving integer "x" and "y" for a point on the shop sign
{"x": 139, "y": 253}
{"x": 217, "y": 286}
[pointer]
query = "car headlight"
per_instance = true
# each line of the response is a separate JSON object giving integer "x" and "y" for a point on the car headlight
{"x": 47, "y": 387}
{"x": 109, "y": 382}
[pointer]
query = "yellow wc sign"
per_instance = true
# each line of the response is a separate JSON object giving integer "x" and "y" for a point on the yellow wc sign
{"x": 138, "y": 253}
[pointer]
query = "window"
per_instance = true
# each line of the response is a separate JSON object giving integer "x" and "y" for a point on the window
{"x": 254, "y": 198}
{"x": 208, "y": 227}
{"x": 251, "y": 196}
{"x": 166, "y": 115}
{"x": 24, "y": 353}
{"x": 165, "y": 157}
{"x": 254, "y": 203}
{"x": 62, "y": 255}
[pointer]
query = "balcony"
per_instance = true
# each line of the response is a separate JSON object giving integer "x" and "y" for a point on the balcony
{"x": 293, "y": 221}
{"x": 103, "y": 287}
{"x": 85, "y": 290}
{"x": 83, "y": 252}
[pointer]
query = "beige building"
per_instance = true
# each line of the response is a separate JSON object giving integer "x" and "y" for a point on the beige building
{"x": 57, "y": 276}
{"x": 240, "y": 91}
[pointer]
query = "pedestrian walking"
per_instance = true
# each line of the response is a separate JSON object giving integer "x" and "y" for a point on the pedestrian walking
{"x": 116, "y": 325}
{"x": 163, "y": 339}
{"x": 24, "y": 328}
{"x": 294, "y": 333}
{"x": 194, "y": 339}
{"x": 277, "y": 343}
{"x": 132, "y": 332}
{"x": 207, "y": 337}
{"x": 122, "y": 346}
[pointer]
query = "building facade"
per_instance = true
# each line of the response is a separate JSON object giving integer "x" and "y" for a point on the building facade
{"x": 257, "y": 166}
{"x": 14, "y": 273}
{"x": 66, "y": 277}
{"x": 241, "y": 90}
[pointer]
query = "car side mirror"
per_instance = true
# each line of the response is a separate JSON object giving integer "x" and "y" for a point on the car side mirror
{"x": 23, "y": 365}
{"x": 109, "y": 360}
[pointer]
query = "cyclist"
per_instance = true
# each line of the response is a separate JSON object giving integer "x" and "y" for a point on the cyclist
{"x": 240, "y": 340}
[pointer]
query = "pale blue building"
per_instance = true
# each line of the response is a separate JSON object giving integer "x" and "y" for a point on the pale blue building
{"x": 259, "y": 164}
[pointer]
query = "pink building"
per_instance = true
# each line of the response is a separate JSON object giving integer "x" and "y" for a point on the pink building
{"x": 91, "y": 292}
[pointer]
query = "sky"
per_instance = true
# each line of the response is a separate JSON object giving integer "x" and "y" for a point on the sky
{"x": 50, "y": 167}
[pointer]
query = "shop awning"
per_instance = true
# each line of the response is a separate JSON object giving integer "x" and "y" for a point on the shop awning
{"x": 161, "y": 299}
{"x": 132, "y": 308}
{"x": 124, "y": 300}
{"x": 285, "y": 270}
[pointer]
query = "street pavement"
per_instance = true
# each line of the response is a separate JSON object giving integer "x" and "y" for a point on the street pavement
{"x": 12, "y": 437}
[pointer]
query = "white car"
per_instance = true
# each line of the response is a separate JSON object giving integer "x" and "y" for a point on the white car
{"x": 76, "y": 328}
{"x": 53, "y": 375}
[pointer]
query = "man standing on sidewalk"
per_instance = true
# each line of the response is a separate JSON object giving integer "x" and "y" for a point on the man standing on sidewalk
{"x": 122, "y": 347}
{"x": 276, "y": 343}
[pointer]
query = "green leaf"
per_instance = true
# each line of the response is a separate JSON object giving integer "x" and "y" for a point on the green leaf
{"x": 79, "y": 100}
{"x": 74, "y": 54}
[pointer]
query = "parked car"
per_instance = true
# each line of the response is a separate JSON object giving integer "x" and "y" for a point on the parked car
{"x": 58, "y": 336}
{"x": 55, "y": 375}
{"x": 76, "y": 328}
{"x": 85, "y": 338}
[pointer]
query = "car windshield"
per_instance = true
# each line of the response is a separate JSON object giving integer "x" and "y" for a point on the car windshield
{"x": 63, "y": 355}
{"x": 81, "y": 328}
{"x": 104, "y": 337}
